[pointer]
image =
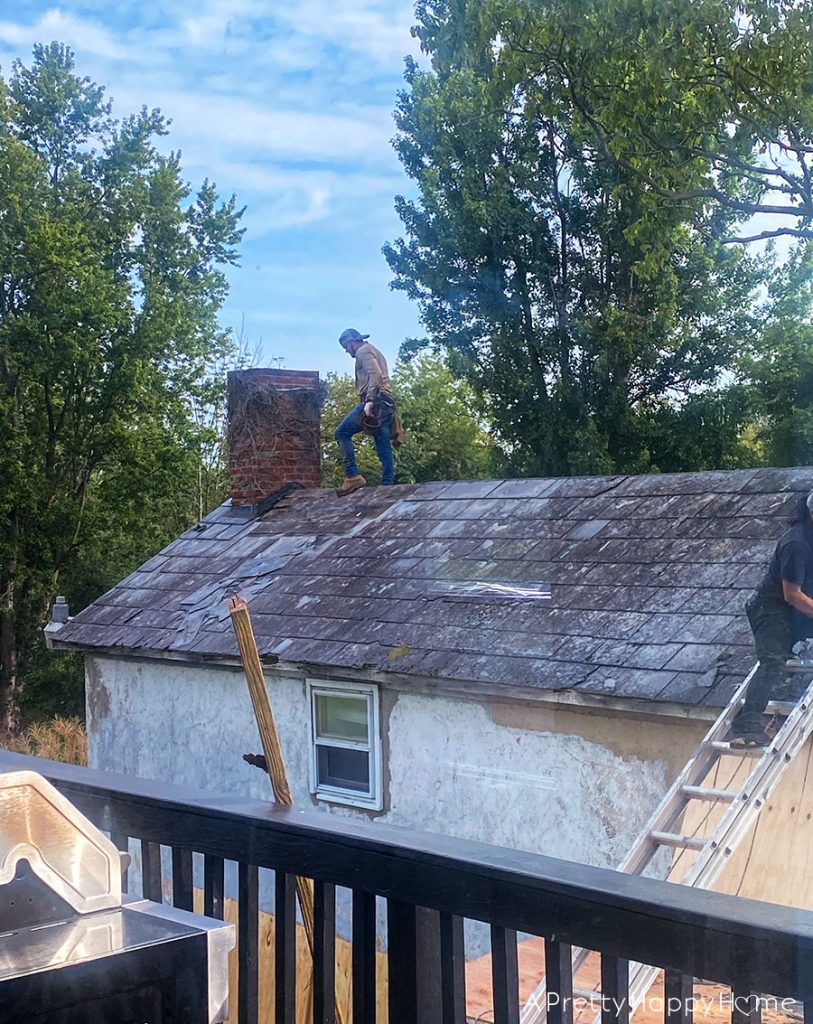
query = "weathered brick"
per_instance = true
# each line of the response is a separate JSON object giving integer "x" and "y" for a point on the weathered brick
{"x": 274, "y": 431}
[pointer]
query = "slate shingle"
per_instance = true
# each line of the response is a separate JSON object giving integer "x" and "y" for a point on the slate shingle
{"x": 648, "y": 578}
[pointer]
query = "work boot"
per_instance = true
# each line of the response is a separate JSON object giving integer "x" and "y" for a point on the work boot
{"x": 758, "y": 738}
{"x": 351, "y": 483}
{"x": 748, "y": 735}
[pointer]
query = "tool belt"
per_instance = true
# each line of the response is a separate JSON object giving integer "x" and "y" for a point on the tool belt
{"x": 371, "y": 424}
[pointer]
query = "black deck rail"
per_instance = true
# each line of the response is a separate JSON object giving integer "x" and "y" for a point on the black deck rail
{"x": 431, "y": 884}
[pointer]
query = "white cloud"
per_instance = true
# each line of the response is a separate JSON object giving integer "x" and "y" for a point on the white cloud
{"x": 82, "y": 36}
{"x": 216, "y": 20}
{"x": 373, "y": 29}
{"x": 239, "y": 127}
{"x": 291, "y": 208}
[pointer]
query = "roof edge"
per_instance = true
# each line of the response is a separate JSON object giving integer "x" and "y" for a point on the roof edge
{"x": 473, "y": 689}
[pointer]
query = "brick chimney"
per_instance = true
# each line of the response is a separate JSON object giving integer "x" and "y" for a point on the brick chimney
{"x": 273, "y": 431}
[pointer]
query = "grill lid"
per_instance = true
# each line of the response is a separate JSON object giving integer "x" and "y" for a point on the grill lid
{"x": 74, "y": 860}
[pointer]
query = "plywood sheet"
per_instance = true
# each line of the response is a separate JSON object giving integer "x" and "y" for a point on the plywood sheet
{"x": 304, "y": 967}
{"x": 773, "y": 862}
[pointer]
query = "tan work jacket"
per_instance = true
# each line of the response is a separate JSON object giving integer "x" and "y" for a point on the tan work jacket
{"x": 372, "y": 373}
{"x": 372, "y": 380}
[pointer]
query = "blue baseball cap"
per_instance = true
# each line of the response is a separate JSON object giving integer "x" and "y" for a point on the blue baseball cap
{"x": 351, "y": 334}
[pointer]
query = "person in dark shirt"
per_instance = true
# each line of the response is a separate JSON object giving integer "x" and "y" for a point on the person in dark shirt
{"x": 779, "y": 614}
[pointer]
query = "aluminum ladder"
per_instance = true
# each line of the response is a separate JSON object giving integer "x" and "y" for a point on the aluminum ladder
{"x": 713, "y": 850}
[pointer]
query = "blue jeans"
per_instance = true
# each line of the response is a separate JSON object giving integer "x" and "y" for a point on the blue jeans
{"x": 351, "y": 425}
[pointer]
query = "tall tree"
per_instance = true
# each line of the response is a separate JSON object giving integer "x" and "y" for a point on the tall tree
{"x": 584, "y": 326}
{"x": 110, "y": 284}
{"x": 779, "y": 366}
{"x": 708, "y": 103}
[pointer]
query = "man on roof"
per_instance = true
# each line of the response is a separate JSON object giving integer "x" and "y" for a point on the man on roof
{"x": 375, "y": 413}
{"x": 779, "y": 614}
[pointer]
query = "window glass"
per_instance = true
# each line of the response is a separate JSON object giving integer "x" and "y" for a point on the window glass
{"x": 345, "y": 745}
{"x": 342, "y": 718}
{"x": 343, "y": 768}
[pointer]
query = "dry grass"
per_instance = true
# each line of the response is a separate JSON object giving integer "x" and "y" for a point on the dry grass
{"x": 59, "y": 739}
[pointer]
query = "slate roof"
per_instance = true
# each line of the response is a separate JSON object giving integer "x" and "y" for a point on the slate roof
{"x": 648, "y": 577}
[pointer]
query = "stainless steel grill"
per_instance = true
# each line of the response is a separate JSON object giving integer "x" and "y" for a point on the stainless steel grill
{"x": 70, "y": 950}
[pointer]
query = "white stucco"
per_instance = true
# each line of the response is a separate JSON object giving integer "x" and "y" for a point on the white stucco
{"x": 448, "y": 766}
{"x": 454, "y": 770}
{"x": 190, "y": 725}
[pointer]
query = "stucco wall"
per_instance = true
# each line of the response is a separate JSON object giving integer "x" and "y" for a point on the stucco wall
{"x": 550, "y": 780}
{"x": 559, "y": 782}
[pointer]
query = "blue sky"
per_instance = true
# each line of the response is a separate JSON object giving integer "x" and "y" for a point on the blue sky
{"x": 287, "y": 104}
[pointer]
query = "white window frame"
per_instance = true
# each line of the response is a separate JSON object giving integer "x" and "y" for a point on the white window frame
{"x": 374, "y": 798}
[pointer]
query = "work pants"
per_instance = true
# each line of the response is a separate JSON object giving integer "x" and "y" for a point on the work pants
{"x": 351, "y": 425}
{"x": 771, "y": 624}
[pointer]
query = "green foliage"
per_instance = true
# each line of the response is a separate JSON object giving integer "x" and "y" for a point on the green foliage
{"x": 110, "y": 285}
{"x": 780, "y": 366}
{"x": 584, "y": 322}
{"x": 708, "y": 103}
{"x": 445, "y": 436}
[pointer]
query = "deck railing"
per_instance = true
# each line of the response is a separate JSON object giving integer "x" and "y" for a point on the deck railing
{"x": 431, "y": 883}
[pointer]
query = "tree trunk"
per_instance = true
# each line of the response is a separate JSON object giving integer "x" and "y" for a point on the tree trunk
{"x": 9, "y": 710}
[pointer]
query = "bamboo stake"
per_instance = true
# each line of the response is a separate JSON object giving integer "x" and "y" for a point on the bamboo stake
{"x": 241, "y": 622}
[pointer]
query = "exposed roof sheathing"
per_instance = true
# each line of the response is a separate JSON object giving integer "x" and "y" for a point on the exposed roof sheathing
{"x": 648, "y": 577}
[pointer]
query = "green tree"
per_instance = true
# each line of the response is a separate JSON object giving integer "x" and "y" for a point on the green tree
{"x": 584, "y": 325}
{"x": 707, "y": 103}
{"x": 110, "y": 285}
{"x": 779, "y": 366}
{"x": 445, "y": 437}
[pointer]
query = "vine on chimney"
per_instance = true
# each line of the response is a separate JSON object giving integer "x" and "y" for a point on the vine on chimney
{"x": 261, "y": 418}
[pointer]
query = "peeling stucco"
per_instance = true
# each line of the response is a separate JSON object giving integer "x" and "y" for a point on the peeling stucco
{"x": 629, "y": 737}
{"x": 97, "y": 696}
{"x": 569, "y": 785}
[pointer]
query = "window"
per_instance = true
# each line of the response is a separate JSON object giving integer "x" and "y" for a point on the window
{"x": 345, "y": 744}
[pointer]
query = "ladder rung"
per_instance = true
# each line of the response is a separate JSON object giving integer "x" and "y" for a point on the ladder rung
{"x": 780, "y": 707}
{"x": 798, "y": 666}
{"x": 705, "y": 793}
{"x": 726, "y": 748}
{"x": 681, "y": 842}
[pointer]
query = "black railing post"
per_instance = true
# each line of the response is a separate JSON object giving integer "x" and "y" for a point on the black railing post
{"x": 678, "y": 990}
{"x": 505, "y": 975}
{"x": 213, "y": 884}
{"x": 151, "y": 886}
{"x": 324, "y": 953}
{"x": 558, "y": 982}
{"x": 452, "y": 969}
{"x": 284, "y": 948}
{"x": 745, "y": 1008}
{"x": 182, "y": 889}
{"x": 402, "y": 961}
{"x": 615, "y": 981}
{"x": 248, "y": 939}
{"x": 364, "y": 958}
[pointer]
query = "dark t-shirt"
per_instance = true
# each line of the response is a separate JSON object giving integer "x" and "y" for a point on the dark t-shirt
{"x": 792, "y": 561}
